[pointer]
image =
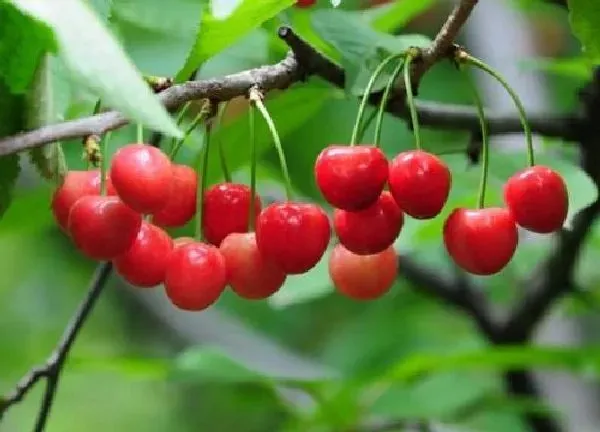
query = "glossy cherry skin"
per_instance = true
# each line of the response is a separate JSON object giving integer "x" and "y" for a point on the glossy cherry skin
{"x": 481, "y": 242}
{"x": 538, "y": 199}
{"x": 250, "y": 274}
{"x": 145, "y": 262}
{"x": 305, "y": 3}
{"x": 226, "y": 210}
{"x": 351, "y": 178}
{"x": 196, "y": 276}
{"x": 181, "y": 205}
{"x": 293, "y": 235}
{"x": 103, "y": 227}
{"x": 143, "y": 177}
{"x": 75, "y": 185}
{"x": 371, "y": 230}
{"x": 363, "y": 277}
{"x": 420, "y": 183}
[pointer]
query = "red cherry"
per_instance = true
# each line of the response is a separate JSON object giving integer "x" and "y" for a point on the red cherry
{"x": 351, "y": 178}
{"x": 363, "y": 277}
{"x": 142, "y": 176}
{"x": 145, "y": 262}
{"x": 250, "y": 274}
{"x": 180, "y": 241}
{"x": 181, "y": 205}
{"x": 76, "y": 184}
{"x": 538, "y": 199}
{"x": 305, "y": 3}
{"x": 293, "y": 235}
{"x": 195, "y": 276}
{"x": 420, "y": 183}
{"x": 226, "y": 208}
{"x": 481, "y": 241}
{"x": 103, "y": 227}
{"x": 371, "y": 230}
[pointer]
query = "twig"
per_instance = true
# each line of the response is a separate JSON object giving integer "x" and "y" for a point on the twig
{"x": 52, "y": 369}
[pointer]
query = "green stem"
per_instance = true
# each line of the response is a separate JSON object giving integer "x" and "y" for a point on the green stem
{"x": 201, "y": 170}
{"x": 384, "y": 100}
{"x": 517, "y": 101}
{"x": 410, "y": 100}
{"x": 175, "y": 149}
{"x": 365, "y": 125}
{"x": 257, "y": 100}
{"x": 367, "y": 93}
{"x": 104, "y": 162}
{"x": 222, "y": 158}
{"x": 179, "y": 119}
{"x": 251, "y": 212}
{"x": 484, "y": 139}
{"x": 140, "y": 133}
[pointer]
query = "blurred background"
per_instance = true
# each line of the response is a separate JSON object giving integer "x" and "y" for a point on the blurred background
{"x": 307, "y": 359}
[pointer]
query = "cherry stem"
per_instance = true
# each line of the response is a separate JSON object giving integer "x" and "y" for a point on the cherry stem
{"x": 410, "y": 99}
{"x": 222, "y": 158}
{"x": 179, "y": 119}
{"x": 384, "y": 100}
{"x": 104, "y": 162}
{"x": 366, "y": 124}
{"x": 485, "y": 144}
{"x": 256, "y": 98}
{"x": 463, "y": 56}
{"x": 140, "y": 133}
{"x": 252, "y": 214}
{"x": 367, "y": 93}
{"x": 201, "y": 170}
{"x": 178, "y": 144}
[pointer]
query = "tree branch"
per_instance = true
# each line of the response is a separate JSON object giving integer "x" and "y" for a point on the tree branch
{"x": 52, "y": 369}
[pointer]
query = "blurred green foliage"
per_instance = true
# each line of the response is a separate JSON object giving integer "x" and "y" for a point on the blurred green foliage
{"x": 404, "y": 356}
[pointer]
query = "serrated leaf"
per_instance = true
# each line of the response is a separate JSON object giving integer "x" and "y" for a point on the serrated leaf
{"x": 94, "y": 56}
{"x": 584, "y": 16}
{"x": 361, "y": 47}
{"x": 217, "y": 34}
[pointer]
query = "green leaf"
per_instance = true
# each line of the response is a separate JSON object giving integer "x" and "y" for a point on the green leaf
{"x": 398, "y": 14}
{"x": 22, "y": 43}
{"x": 362, "y": 48}
{"x": 218, "y": 34}
{"x": 579, "y": 68}
{"x": 94, "y": 56}
{"x": 131, "y": 367}
{"x": 584, "y": 16}
{"x": 48, "y": 99}
{"x": 9, "y": 172}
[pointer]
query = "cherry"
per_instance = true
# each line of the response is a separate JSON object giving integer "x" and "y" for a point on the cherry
{"x": 305, "y": 3}
{"x": 371, "y": 230}
{"x": 226, "y": 208}
{"x": 481, "y": 241}
{"x": 538, "y": 199}
{"x": 293, "y": 235}
{"x": 145, "y": 262}
{"x": 103, "y": 227}
{"x": 181, "y": 205}
{"x": 196, "y": 276}
{"x": 363, "y": 277}
{"x": 420, "y": 183}
{"x": 180, "y": 241}
{"x": 76, "y": 184}
{"x": 351, "y": 178}
{"x": 142, "y": 176}
{"x": 250, "y": 274}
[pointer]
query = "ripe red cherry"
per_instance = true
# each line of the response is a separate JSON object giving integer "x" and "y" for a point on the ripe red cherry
{"x": 195, "y": 276}
{"x": 363, "y": 277}
{"x": 145, "y": 262}
{"x": 420, "y": 183}
{"x": 226, "y": 208}
{"x": 76, "y": 184}
{"x": 293, "y": 235}
{"x": 351, "y": 178}
{"x": 482, "y": 241}
{"x": 371, "y": 230}
{"x": 250, "y": 274}
{"x": 305, "y": 3}
{"x": 103, "y": 227}
{"x": 538, "y": 199}
{"x": 142, "y": 176}
{"x": 181, "y": 205}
